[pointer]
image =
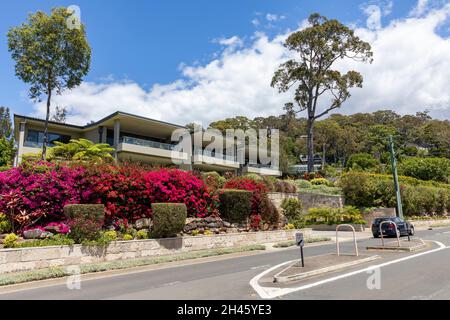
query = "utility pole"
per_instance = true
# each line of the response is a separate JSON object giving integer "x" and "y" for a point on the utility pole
{"x": 396, "y": 184}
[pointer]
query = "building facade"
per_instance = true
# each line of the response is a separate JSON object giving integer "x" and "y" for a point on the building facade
{"x": 134, "y": 138}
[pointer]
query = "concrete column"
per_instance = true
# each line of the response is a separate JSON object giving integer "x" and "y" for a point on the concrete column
{"x": 116, "y": 137}
{"x": 20, "y": 143}
{"x": 104, "y": 135}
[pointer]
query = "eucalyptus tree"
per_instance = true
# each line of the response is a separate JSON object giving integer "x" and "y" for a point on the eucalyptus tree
{"x": 311, "y": 75}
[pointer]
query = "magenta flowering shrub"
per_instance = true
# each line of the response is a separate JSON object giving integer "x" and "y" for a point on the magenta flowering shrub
{"x": 177, "y": 186}
{"x": 60, "y": 227}
{"x": 37, "y": 193}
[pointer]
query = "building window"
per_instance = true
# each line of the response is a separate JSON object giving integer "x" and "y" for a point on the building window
{"x": 35, "y": 139}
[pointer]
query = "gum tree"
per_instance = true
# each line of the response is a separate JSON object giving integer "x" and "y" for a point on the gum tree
{"x": 310, "y": 74}
{"x": 51, "y": 54}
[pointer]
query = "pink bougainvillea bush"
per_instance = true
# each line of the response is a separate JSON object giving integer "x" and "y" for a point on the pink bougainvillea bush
{"x": 177, "y": 186}
{"x": 37, "y": 193}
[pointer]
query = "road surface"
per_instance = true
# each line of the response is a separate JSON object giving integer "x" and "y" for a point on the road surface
{"x": 401, "y": 276}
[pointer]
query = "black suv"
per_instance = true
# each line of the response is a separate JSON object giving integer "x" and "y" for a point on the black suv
{"x": 404, "y": 228}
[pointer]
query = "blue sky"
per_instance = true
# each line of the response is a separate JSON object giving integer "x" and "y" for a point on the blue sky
{"x": 148, "y": 43}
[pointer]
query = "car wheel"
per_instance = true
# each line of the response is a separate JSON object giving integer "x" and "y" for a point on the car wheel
{"x": 411, "y": 231}
{"x": 376, "y": 235}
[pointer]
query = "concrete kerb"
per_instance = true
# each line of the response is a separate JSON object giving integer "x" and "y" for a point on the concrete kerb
{"x": 280, "y": 278}
{"x": 405, "y": 246}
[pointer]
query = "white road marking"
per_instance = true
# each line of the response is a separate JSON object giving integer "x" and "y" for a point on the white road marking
{"x": 272, "y": 292}
{"x": 260, "y": 267}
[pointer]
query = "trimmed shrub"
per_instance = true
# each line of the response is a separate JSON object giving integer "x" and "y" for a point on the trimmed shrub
{"x": 325, "y": 215}
{"x": 85, "y": 221}
{"x": 5, "y": 225}
{"x": 142, "y": 234}
{"x": 269, "y": 212}
{"x": 168, "y": 219}
{"x": 127, "y": 237}
{"x": 213, "y": 180}
{"x": 110, "y": 235}
{"x": 258, "y": 189}
{"x": 292, "y": 210}
{"x": 235, "y": 205}
{"x": 10, "y": 241}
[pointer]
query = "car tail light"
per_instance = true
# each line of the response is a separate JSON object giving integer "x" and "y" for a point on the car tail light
{"x": 391, "y": 226}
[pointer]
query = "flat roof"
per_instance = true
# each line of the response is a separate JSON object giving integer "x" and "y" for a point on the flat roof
{"x": 90, "y": 125}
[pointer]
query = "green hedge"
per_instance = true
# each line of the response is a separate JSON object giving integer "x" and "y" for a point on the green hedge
{"x": 437, "y": 169}
{"x": 326, "y": 215}
{"x": 168, "y": 219}
{"x": 235, "y": 205}
{"x": 85, "y": 221}
{"x": 375, "y": 190}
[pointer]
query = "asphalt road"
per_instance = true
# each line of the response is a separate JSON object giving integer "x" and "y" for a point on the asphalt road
{"x": 423, "y": 276}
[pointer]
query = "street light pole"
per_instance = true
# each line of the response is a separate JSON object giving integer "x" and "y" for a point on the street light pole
{"x": 396, "y": 184}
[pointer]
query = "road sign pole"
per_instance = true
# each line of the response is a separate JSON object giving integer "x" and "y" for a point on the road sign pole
{"x": 301, "y": 253}
{"x": 396, "y": 184}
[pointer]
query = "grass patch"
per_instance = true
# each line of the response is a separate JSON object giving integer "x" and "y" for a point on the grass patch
{"x": 58, "y": 272}
{"x": 287, "y": 244}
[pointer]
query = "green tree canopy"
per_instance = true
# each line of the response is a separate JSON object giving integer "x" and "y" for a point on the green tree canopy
{"x": 51, "y": 54}
{"x": 311, "y": 75}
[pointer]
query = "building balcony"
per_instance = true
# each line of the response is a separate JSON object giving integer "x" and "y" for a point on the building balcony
{"x": 214, "y": 158}
{"x": 262, "y": 169}
{"x": 149, "y": 148}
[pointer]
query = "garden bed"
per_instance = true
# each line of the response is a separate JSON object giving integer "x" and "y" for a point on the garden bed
{"x": 21, "y": 259}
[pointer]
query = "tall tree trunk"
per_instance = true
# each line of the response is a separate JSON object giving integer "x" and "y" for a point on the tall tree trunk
{"x": 310, "y": 145}
{"x": 44, "y": 144}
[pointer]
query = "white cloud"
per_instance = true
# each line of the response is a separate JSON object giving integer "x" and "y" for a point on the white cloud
{"x": 420, "y": 8}
{"x": 410, "y": 73}
{"x": 274, "y": 17}
{"x": 255, "y": 22}
{"x": 373, "y": 13}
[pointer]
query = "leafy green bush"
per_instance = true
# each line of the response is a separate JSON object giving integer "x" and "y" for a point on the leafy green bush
{"x": 269, "y": 212}
{"x": 4, "y": 168}
{"x": 142, "y": 234}
{"x": 437, "y": 169}
{"x": 5, "y": 225}
{"x": 321, "y": 181}
{"x": 56, "y": 240}
{"x": 293, "y": 211}
{"x": 363, "y": 161}
{"x": 374, "y": 190}
{"x": 235, "y": 205}
{"x": 85, "y": 221}
{"x": 127, "y": 237}
{"x": 110, "y": 235}
{"x": 326, "y": 215}
{"x": 213, "y": 180}
{"x": 168, "y": 219}
{"x": 10, "y": 241}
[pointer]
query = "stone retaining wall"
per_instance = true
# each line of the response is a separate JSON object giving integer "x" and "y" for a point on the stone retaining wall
{"x": 22, "y": 259}
{"x": 309, "y": 200}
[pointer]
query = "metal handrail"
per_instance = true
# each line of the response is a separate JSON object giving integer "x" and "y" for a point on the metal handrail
{"x": 354, "y": 238}
{"x": 397, "y": 231}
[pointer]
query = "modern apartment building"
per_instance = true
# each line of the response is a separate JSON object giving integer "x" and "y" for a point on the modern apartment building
{"x": 134, "y": 138}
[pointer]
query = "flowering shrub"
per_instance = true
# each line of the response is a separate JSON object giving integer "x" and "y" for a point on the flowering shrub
{"x": 59, "y": 227}
{"x": 258, "y": 189}
{"x": 38, "y": 192}
{"x": 177, "y": 186}
{"x": 122, "y": 190}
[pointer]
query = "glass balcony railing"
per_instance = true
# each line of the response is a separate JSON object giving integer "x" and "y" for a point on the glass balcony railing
{"x": 147, "y": 143}
{"x": 261, "y": 166}
{"x": 215, "y": 155}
